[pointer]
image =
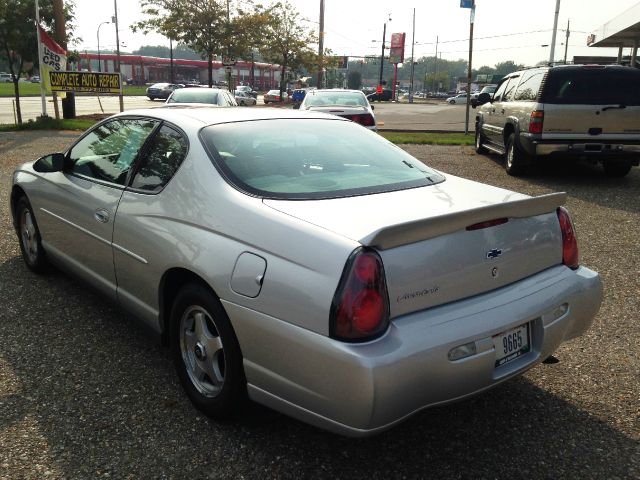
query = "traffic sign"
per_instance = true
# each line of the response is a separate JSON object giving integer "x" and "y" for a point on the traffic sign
{"x": 466, "y": 3}
{"x": 228, "y": 61}
{"x": 228, "y": 68}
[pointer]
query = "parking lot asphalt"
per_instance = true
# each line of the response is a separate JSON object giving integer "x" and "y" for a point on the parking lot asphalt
{"x": 84, "y": 393}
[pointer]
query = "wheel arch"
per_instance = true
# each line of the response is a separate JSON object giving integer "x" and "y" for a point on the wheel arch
{"x": 16, "y": 193}
{"x": 170, "y": 284}
{"x": 509, "y": 128}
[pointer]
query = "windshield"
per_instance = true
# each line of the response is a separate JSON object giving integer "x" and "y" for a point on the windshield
{"x": 198, "y": 95}
{"x": 311, "y": 158}
{"x": 318, "y": 99}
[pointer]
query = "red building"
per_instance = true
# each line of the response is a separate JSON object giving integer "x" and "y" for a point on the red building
{"x": 140, "y": 70}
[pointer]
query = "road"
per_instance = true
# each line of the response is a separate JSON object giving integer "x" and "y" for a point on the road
{"x": 84, "y": 393}
{"x": 401, "y": 116}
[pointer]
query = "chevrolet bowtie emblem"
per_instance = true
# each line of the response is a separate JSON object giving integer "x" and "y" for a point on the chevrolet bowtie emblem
{"x": 495, "y": 253}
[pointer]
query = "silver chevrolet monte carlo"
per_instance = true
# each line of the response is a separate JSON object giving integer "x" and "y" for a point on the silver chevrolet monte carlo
{"x": 303, "y": 261}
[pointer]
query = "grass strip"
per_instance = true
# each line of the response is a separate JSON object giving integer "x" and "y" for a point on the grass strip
{"x": 428, "y": 138}
{"x": 49, "y": 124}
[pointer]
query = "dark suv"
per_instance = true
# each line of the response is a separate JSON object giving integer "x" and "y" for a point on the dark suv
{"x": 579, "y": 111}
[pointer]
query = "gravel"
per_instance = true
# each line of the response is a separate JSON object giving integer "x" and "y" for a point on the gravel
{"x": 85, "y": 393}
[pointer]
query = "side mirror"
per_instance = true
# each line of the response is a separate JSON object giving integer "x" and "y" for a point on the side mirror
{"x": 50, "y": 163}
{"x": 484, "y": 98}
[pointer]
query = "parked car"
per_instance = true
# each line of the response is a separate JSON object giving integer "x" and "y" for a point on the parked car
{"x": 349, "y": 104}
{"x": 273, "y": 96}
{"x": 458, "y": 99}
{"x": 243, "y": 98}
{"x": 568, "y": 111}
{"x": 6, "y": 78}
{"x": 248, "y": 90}
{"x": 305, "y": 262}
{"x": 490, "y": 89}
{"x": 385, "y": 96}
{"x": 298, "y": 95}
{"x": 35, "y": 79}
{"x": 210, "y": 96}
{"x": 161, "y": 90}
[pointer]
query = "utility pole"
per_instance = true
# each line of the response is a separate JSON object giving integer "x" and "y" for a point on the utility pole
{"x": 172, "y": 76}
{"x": 472, "y": 18}
{"x": 413, "y": 63}
{"x": 61, "y": 33}
{"x": 566, "y": 42}
{"x": 384, "y": 34}
{"x": 115, "y": 20}
{"x": 433, "y": 84}
{"x": 321, "y": 45}
{"x": 555, "y": 31}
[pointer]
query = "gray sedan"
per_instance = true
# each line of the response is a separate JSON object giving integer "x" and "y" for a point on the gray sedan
{"x": 327, "y": 274}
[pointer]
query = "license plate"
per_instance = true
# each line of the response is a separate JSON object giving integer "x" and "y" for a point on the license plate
{"x": 511, "y": 344}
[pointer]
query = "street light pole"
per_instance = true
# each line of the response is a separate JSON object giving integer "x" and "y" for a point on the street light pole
{"x": 115, "y": 20}
{"x": 99, "y": 61}
{"x": 555, "y": 31}
{"x": 320, "y": 45}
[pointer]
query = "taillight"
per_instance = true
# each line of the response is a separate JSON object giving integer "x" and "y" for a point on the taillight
{"x": 360, "y": 308}
{"x": 570, "y": 255}
{"x": 364, "y": 119}
{"x": 537, "y": 120}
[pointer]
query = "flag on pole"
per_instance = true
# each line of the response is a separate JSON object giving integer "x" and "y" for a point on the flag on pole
{"x": 53, "y": 58}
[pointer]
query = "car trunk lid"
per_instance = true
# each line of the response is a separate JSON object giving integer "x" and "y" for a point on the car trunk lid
{"x": 434, "y": 243}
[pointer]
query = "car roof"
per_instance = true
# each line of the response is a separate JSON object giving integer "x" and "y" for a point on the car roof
{"x": 200, "y": 115}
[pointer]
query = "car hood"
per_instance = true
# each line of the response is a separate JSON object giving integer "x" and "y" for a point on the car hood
{"x": 362, "y": 218}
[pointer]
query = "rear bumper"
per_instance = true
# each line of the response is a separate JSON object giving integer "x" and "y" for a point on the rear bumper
{"x": 361, "y": 389}
{"x": 598, "y": 149}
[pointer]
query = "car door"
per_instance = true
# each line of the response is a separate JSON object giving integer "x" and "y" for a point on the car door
{"x": 139, "y": 257}
{"x": 493, "y": 118}
{"x": 77, "y": 211}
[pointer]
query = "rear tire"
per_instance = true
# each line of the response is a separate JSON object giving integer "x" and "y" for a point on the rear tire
{"x": 206, "y": 352}
{"x": 479, "y": 139}
{"x": 29, "y": 237}
{"x": 515, "y": 159}
{"x": 613, "y": 168}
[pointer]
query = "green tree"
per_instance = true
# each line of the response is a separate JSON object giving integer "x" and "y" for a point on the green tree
{"x": 505, "y": 68}
{"x": 209, "y": 27}
{"x": 286, "y": 42}
{"x": 18, "y": 35}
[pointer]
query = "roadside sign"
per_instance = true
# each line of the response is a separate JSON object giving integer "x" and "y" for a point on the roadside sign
{"x": 228, "y": 68}
{"x": 85, "y": 82}
{"x": 466, "y": 3}
{"x": 228, "y": 61}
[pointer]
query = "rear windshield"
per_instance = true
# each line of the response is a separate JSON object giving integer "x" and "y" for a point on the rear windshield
{"x": 311, "y": 158}
{"x": 593, "y": 86}
{"x": 197, "y": 95}
{"x": 319, "y": 99}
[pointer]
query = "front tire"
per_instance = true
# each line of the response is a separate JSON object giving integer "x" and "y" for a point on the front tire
{"x": 515, "y": 159}
{"x": 452, "y": 102}
{"x": 29, "y": 236}
{"x": 206, "y": 352}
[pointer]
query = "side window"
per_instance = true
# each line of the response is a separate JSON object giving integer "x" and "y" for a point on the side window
{"x": 167, "y": 151}
{"x": 529, "y": 86}
{"x": 108, "y": 151}
{"x": 500, "y": 91}
{"x": 510, "y": 90}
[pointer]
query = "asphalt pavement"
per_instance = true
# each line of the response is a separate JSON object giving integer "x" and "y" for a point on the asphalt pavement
{"x": 85, "y": 393}
{"x": 433, "y": 115}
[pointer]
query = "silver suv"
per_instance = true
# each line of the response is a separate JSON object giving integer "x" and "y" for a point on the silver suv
{"x": 568, "y": 111}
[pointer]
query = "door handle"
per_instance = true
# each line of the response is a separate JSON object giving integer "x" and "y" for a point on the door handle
{"x": 101, "y": 215}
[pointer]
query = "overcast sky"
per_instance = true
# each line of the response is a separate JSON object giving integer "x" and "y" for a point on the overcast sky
{"x": 519, "y": 27}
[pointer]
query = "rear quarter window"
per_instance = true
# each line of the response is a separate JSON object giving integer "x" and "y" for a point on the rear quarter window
{"x": 593, "y": 86}
{"x": 529, "y": 85}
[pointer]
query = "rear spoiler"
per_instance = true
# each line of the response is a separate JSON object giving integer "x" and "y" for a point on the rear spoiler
{"x": 424, "y": 229}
